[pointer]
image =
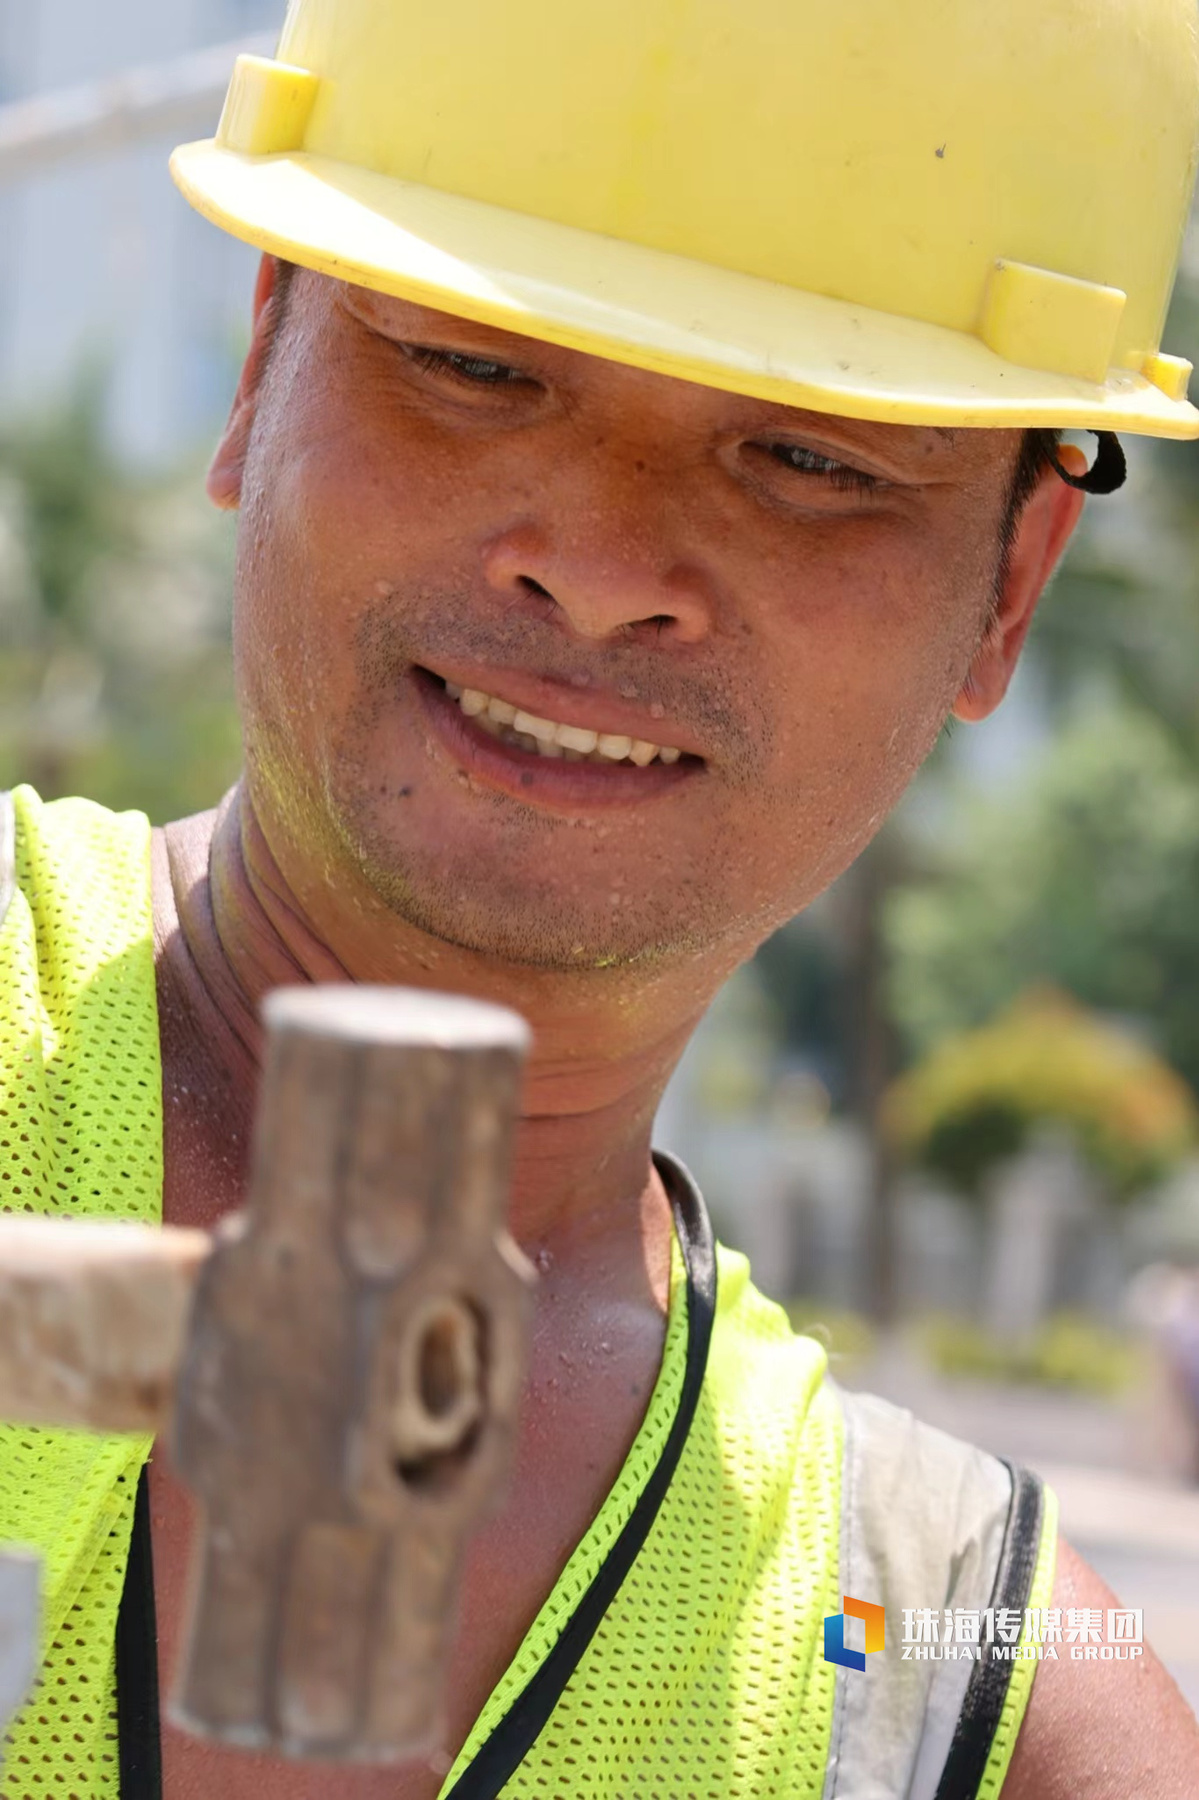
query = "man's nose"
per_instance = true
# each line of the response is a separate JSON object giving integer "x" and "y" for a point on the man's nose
{"x": 603, "y": 584}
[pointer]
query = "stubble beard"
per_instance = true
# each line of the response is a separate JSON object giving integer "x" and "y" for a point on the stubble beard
{"x": 491, "y": 904}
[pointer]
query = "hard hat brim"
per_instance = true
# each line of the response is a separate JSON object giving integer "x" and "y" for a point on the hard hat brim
{"x": 646, "y": 307}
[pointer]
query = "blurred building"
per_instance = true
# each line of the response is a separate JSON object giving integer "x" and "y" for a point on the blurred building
{"x": 101, "y": 260}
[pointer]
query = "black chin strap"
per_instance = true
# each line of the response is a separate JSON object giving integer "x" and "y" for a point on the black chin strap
{"x": 1108, "y": 472}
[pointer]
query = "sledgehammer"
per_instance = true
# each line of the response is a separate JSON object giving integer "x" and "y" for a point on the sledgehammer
{"x": 336, "y": 1369}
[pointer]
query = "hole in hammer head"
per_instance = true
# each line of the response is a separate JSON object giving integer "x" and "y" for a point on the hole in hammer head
{"x": 440, "y": 1396}
{"x": 446, "y": 1362}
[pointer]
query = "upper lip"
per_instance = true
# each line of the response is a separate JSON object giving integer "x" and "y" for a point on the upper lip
{"x": 591, "y": 709}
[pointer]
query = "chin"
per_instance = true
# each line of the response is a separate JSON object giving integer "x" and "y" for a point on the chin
{"x": 491, "y": 908}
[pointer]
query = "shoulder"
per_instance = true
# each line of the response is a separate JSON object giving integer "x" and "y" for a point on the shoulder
{"x": 76, "y": 864}
{"x": 1109, "y": 1730}
{"x": 79, "y": 1058}
{"x": 935, "y": 1550}
{"x": 943, "y": 1536}
{"x": 74, "y": 901}
{"x": 955, "y": 1546}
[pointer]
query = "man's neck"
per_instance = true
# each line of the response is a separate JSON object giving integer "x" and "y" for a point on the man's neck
{"x": 582, "y": 1177}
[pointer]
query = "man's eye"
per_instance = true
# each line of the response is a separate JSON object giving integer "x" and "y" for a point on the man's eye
{"x": 478, "y": 370}
{"x": 807, "y": 461}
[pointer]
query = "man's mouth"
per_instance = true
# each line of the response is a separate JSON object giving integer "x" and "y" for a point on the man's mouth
{"x": 522, "y": 730}
{"x": 568, "y": 765}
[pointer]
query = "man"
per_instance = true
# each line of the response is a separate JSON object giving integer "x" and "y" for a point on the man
{"x": 622, "y": 516}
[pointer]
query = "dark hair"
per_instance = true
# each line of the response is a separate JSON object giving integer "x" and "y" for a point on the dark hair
{"x": 285, "y": 275}
{"x": 1038, "y": 452}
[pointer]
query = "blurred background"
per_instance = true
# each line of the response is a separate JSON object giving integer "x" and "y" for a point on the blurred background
{"x": 950, "y": 1113}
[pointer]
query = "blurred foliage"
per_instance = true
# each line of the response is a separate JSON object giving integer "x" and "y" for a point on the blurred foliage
{"x": 1083, "y": 875}
{"x": 1122, "y": 620}
{"x": 1067, "y": 1351}
{"x": 981, "y": 1096}
{"x": 115, "y": 677}
{"x": 735, "y": 1075}
{"x": 801, "y": 975}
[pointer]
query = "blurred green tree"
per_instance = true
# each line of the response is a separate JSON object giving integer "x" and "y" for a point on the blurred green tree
{"x": 115, "y": 675}
{"x": 1122, "y": 619}
{"x": 981, "y": 1096}
{"x": 1085, "y": 875}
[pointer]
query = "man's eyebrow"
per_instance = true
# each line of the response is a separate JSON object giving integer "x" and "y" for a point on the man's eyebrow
{"x": 947, "y": 432}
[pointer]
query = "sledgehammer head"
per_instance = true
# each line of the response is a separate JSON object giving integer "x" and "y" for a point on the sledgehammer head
{"x": 346, "y": 1407}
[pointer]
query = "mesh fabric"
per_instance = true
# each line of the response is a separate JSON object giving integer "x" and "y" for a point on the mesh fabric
{"x": 706, "y": 1677}
{"x": 80, "y": 1132}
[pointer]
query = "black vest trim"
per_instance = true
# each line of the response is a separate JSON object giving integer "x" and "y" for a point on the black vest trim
{"x": 987, "y": 1690}
{"x": 138, "y": 1744}
{"x": 500, "y": 1757}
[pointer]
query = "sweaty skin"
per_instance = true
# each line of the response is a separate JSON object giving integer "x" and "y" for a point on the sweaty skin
{"x": 793, "y": 602}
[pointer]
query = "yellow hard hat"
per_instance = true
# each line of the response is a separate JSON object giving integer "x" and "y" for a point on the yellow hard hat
{"x": 945, "y": 212}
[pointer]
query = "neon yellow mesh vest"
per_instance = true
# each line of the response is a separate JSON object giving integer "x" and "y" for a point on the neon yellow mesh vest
{"x": 706, "y": 1675}
{"x": 80, "y": 1132}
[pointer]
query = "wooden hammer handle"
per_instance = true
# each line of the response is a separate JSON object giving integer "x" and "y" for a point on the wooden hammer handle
{"x": 93, "y": 1319}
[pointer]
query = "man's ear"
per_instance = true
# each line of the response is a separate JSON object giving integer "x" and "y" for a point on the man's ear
{"x": 229, "y": 462}
{"x": 1043, "y": 531}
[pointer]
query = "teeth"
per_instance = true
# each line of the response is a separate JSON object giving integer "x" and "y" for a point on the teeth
{"x": 573, "y": 737}
{"x": 542, "y": 729}
{"x": 545, "y": 737}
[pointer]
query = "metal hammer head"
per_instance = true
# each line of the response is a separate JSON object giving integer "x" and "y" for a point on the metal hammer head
{"x": 346, "y": 1405}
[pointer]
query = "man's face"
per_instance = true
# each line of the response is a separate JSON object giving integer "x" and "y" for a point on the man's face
{"x": 790, "y": 602}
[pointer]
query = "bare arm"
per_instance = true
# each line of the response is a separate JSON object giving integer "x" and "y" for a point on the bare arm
{"x": 1103, "y": 1731}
